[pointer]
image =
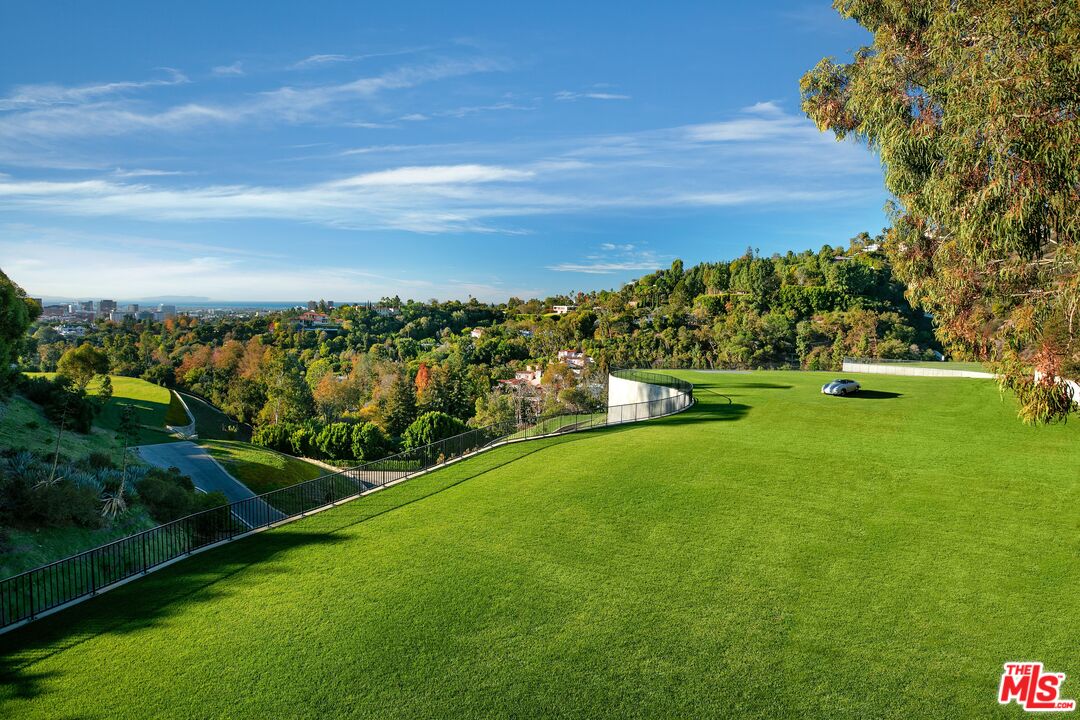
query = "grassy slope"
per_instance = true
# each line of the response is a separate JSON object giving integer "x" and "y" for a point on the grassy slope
{"x": 786, "y": 555}
{"x": 259, "y": 468}
{"x": 33, "y": 548}
{"x": 212, "y": 424}
{"x": 151, "y": 407}
{"x": 18, "y": 417}
{"x": 176, "y": 415}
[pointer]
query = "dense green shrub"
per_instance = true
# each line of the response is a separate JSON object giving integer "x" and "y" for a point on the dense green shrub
{"x": 32, "y": 496}
{"x": 167, "y": 494}
{"x": 431, "y": 427}
{"x": 369, "y": 442}
{"x": 302, "y": 442}
{"x": 99, "y": 460}
{"x": 276, "y": 437}
{"x": 335, "y": 441}
{"x": 160, "y": 375}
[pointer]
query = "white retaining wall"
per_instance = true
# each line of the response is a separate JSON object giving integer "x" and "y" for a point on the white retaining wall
{"x": 891, "y": 369}
{"x": 630, "y": 400}
{"x": 1074, "y": 387}
{"x": 628, "y": 392}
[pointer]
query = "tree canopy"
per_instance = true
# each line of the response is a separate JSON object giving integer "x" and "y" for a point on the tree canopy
{"x": 82, "y": 363}
{"x": 16, "y": 313}
{"x": 973, "y": 107}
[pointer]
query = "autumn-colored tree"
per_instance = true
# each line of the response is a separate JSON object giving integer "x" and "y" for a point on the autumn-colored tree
{"x": 974, "y": 108}
{"x": 423, "y": 377}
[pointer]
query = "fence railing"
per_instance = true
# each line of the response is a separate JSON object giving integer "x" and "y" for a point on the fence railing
{"x": 30, "y": 594}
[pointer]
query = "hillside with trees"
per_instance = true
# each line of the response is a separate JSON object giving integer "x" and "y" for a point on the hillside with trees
{"x": 365, "y": 381}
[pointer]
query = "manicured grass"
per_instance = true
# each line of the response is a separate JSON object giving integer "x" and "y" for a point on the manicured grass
{"x": 176, "y": 415}
{"x": 786, "y": 554}
{"x": 151, "y": 407}
{"x": 212, "y": 424}
{"x": 261, "y": 469}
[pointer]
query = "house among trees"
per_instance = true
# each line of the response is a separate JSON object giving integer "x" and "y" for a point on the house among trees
{"x": 563, "y": 309}
{"x": 576, "y": 360}
{"x": 311, "y": 318}
{"x": 529, "y": 376}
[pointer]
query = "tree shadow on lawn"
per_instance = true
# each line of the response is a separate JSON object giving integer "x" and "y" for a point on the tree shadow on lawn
{"x": 722, "y": 410}
{"x": 872, "y": 395}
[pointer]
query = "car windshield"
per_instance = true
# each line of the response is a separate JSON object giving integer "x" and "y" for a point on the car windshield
{"x": 846, "y": 382}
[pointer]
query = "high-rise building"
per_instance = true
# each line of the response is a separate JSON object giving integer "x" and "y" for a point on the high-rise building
{"x": 133, "y": 308}
{"x": 87, "y": 306}
{"x": 312, "y": 304}
{"x": 106, "y": 306}
{"x": 166, "y": 311}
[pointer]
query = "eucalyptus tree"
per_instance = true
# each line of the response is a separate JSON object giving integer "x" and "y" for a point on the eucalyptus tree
{"x": 973, "y": 107}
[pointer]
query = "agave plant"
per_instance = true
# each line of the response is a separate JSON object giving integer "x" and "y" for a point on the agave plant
{"x": 135, "y": 474}
{"x": 86, "y": 479}
{"x": 113, "y": 504}
{"x": 21, "y": 464}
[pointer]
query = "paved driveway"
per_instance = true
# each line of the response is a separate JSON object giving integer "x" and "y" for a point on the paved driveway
{"x": 208, "y": 476}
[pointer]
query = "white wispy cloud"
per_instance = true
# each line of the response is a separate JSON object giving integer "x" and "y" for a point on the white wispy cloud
{"x": 604, "y": 268}
{"x": 436, "y": 175}
{"x": 569, "y": 96}
{"x": 613, "y": 258}
{"x": 760, "y": 121}
{"x": 46, "y": 263}
{"x": 45, "y": 95}
{"x": 237, "y": 68}
{"x": 55, "y": 112}
{"x": 146, "y": 172}
{"x": 761, "y": 156}
{"x": 319, "y": 60}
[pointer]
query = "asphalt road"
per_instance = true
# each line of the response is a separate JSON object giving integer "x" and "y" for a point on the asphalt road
{"x": 208, "y": 476}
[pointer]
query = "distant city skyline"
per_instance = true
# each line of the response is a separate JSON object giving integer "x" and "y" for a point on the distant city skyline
{"x": 242, "y": 150}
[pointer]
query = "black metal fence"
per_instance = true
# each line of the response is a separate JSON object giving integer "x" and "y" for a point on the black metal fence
{"x": 25, "y": 596}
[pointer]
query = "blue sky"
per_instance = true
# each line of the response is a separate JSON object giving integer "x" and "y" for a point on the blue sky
{"x": 281, "y": 151}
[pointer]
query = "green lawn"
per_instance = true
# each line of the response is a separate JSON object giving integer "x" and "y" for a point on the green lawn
{"x": 152, "y": 407}
{"x": 785, "y": 555}
{"x": 212, "y": 424}
{"x": 176, "y": 415}
{"x": 261, "y": 469}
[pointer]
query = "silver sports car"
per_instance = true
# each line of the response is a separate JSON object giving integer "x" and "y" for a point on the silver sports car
{"x": 840, "y": 387}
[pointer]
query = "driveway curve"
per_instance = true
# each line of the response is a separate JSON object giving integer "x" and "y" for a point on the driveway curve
{"x": 208, "y": 476}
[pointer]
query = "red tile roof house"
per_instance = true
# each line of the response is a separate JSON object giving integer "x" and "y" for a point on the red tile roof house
{"x": 313, "y": 318}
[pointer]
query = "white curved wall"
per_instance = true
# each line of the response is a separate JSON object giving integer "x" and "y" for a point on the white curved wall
{"x": 628, "y": 392}
{"x": 630, "y": 400}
